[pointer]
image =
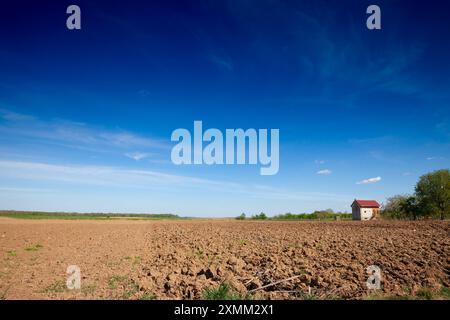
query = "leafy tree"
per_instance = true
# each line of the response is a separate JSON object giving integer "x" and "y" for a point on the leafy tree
{"x": 395, "y": 207}
{"x": 392, "y": 206}
{"x": 289, "y": 216}
{"x": 433, "y": 193}
{"x": 410, "y": 207}
{"x": 261, "y": 216}
{"x": 241, "y": 217}
{"x": 323, "y": 214}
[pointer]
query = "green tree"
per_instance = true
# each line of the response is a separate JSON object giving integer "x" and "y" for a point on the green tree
{"x": 410, "y": 207}
{"x": 433, "y": 193}
{"x": 261, "y": 216}
{"x": 241, "y": 217}
{"x": 322, "y": 214}
{"x": 395, "y": 207}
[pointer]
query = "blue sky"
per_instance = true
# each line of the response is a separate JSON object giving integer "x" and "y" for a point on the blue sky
{"x": 86, "y": 116}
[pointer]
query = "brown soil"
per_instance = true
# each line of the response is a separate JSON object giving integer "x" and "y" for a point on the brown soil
{"x": 180, "y": 259}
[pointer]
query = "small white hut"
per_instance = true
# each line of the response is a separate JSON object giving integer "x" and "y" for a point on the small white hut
{"x": 365, "y": 209}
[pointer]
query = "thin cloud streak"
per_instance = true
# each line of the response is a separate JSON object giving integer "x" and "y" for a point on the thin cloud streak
{"x": 107, "y": 176}
{"x": 137, "y": 155}
{"x": 69, "y": 132}
{"x": 324, "y": 172}
{"x": 370, "y": 180}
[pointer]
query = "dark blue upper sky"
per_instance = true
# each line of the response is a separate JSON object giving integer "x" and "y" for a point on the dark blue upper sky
{"x": 87, "y": 115}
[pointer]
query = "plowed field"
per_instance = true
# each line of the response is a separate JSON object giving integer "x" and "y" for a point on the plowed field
{"x": 126, "y": 259}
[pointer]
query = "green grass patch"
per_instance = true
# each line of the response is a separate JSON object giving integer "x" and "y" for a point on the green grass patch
{"x": 115, "y": 281}
{"x": 12, "y": 253}
{"x": 129, "y": 286}
{"x": 131, "y": 290}
{"x": 425, "y": 294}
{"x": 223, "y": 292}
{"x": 445, "y": 293}
{"x": 137, "y": 260}
{"x": 56, "y": 287}
{"x": 36, "y": 247}
{"x": 421, "y": 294}
{"x": 388, "y": 297}
{"x": 199, "y": 253}
{"x": 148, "y": 296}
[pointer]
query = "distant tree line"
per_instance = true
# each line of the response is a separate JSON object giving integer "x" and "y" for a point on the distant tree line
{"x": 431, "y": 199}
{"x": 37, "y": 214}
{"x": 261, "y": 216}
{"x": 328, "y": 214}
{"x": 316, "y": 215}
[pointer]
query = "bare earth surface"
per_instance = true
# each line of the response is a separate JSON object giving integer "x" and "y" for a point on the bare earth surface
{"x": 179, "y": 259}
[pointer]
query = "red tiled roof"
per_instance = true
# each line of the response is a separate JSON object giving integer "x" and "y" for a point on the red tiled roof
{"x": 367, "y": 203}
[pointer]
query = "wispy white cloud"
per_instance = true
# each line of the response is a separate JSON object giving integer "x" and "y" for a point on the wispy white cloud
{"x": 115, "y": 177}
{"x": 137, "y": 155}
{"x": 434, "y": 158}
{"x": 71, "y": 133}
{"x": 324, "y": 172}
{"x": 28, "y": 190}
{"x": 267, "y": 192}
{"x": 93, "y": 175}
{"x": 332, "y": 59}
{"x": 370, "y": 180}
{"x": 319, "y": 161}
{"x": 373, "y": 140}
{"x": 13, "y": 116}
{"x": 222, "y": 62}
